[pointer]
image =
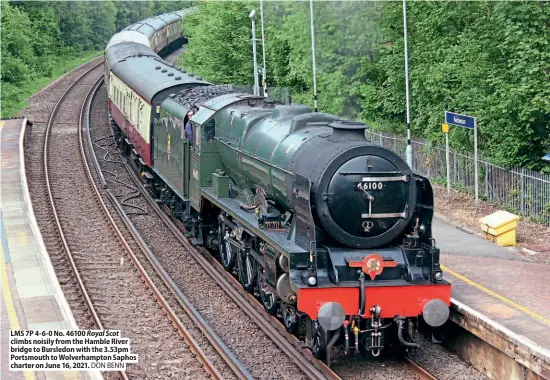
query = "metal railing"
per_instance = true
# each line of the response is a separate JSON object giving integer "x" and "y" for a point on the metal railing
{"x": 518, "y": 190}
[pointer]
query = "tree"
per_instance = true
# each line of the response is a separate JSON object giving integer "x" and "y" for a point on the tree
{"x": 44, "y": 19}
{"x": 42, "y": 39}
{"x": 103, "y": 17}
{"x": 481, "y": 58}
{"x": 219, "y": 42}
{"x": 74, "y": 25}
{"x": 17, "y": 50}
{"x": 132, "y": 11}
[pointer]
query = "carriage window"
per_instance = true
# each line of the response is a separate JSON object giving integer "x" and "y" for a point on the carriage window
{"x": 138, "y": 109}
{"x": 210, "y": 131}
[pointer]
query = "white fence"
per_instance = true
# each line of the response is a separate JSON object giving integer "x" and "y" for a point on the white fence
{"x": 519, "y": 190}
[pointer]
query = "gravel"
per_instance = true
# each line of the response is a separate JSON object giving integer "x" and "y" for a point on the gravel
{"x": 442, "y": 363}
{"x": 360, "y": 367}
{"x": 114, "y": 286}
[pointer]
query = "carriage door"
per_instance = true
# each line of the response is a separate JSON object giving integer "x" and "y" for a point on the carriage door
{"x": 155, "y": 119}
{"x": 186, "y": 160}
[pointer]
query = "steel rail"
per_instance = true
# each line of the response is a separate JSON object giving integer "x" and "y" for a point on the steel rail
{"x": 298, "y": 358}
{"x": 184, "y": 333}
{"x": 419, "y": 370}
{"x": 236, "y": 366}
{"x": 76, "y": 273}
{"x": 207, "y": 365}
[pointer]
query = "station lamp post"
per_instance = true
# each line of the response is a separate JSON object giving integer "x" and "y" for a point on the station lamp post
{"x": 264, "y": 68}
{"x": 313, "y": 56}
{"x": 409, "y": 145}
{"x": 253, "y": 19}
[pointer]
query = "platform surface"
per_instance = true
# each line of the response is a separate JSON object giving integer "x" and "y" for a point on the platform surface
{"x": 31, "y": 295}
{"x": 498, "y": 283}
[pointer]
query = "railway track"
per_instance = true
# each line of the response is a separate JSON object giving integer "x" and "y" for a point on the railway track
{"x": 90, "y": 253}
{"x": 420, "y": 371}
{"x": 34, "y": 164}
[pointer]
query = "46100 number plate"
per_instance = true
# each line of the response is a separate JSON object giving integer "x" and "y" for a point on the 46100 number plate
{"x": 370, "y": 186}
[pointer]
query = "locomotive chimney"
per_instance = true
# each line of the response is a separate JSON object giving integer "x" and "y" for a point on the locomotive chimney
{"x": 347, "y": 130}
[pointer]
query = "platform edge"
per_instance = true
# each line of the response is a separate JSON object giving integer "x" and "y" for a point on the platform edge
{"x": 47, "y": 265}
{"x": 525, "y": 351}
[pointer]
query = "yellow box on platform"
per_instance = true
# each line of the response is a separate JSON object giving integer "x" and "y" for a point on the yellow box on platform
{"x": 500, "y": 227}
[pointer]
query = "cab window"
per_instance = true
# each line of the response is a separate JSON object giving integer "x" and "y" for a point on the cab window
{"x": 210, "y": 131}
{"x": 196, "y": 137}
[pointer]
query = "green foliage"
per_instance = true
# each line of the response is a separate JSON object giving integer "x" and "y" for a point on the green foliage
{"x": 132, "y": 11}
{"x": 219, "y": 47}
{"x": 41, "y": 40}
{"x": 17, "y": 50}
{"x": 13, "y": 94}
{"x": 488, "y": 59}
{"x": 103, "y": 18}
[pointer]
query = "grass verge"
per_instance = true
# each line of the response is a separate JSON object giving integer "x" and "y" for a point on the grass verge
{"x": 13, "y": 95}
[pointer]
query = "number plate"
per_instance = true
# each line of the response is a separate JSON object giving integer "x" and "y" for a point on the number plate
{"x": 370, "y": 186}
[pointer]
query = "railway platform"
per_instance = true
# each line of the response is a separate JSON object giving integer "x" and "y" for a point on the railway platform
{"x": 31, "y": 295}
{"x": 501, "y": 298}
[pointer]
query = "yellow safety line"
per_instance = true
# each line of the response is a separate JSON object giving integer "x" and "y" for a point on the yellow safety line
{"x": 8, "y": 299}
{"x": 10, "y": 308}
{"x": 496, "y": 295}
{"x": 1, "y": 123}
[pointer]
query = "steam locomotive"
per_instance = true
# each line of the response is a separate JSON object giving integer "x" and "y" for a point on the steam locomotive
{"x": 330, "y": 231}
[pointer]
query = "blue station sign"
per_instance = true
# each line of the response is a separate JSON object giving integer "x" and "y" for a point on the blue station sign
{"x": 463, "y": 121}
